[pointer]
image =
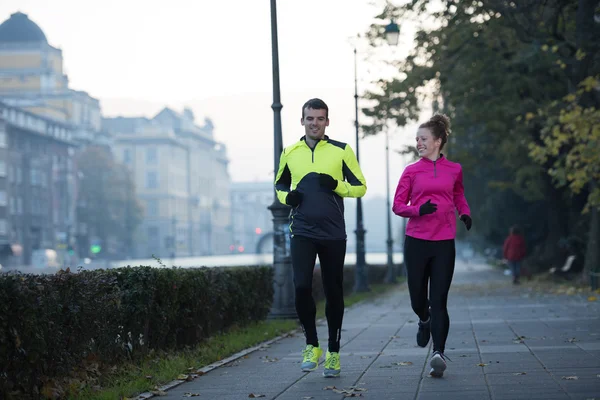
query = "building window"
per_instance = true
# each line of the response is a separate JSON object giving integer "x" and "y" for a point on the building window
{"x": 3, "y": 227}
{"x": 13, "y": 206}
{"x": 127, "y": 156}
{"x": 151, "y": 155}
{"x": 2, "y": 168}
{"x": 151, "y": 180}
{"x": 3, "y": 143}
{"x": 152, "y": 232}
{"x": 151, "y": 207}
{"x": 20, "y": 205}
{"x": 3, "y": 199}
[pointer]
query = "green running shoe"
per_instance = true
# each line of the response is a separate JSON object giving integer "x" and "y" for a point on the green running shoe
{"x": 311, "y": 356}
{"x": 332, "y": 365}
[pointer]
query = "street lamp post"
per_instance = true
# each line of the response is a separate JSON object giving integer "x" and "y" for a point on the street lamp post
{"x": 391, "y": 274}
{"x": 392, "y": 32}
{"x": 283, "y": 284}
{"x": 361, "y": 281}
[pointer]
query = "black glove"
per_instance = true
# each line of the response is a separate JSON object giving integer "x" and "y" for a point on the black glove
{"x": 327, "y": 182}
{"x": 293, "y": 198}
{"x": 427, "y": 208}
{"x": 467, "y": 221}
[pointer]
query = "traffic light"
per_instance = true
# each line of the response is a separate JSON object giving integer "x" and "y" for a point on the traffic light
{"x": 95, "y": 246}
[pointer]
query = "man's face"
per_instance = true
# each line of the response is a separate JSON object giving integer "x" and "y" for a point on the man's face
{"x": 314, "y": 123}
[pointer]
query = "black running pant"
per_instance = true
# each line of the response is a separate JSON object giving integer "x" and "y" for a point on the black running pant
{"x": 430, "y": 262}
{"x": 331, "y": 256}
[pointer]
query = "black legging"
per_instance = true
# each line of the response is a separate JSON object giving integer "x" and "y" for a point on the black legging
{"x": 430, "y": 262}
{"x": 331, "y": 256}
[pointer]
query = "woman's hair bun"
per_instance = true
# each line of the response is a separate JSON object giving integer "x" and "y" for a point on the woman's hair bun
{"x": 443, "y": 120}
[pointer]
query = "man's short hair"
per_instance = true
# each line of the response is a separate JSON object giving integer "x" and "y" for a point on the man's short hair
{"x": 316, "y": 104}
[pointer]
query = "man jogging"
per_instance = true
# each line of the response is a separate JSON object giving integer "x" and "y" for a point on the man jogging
{"x": 314, "y": 175}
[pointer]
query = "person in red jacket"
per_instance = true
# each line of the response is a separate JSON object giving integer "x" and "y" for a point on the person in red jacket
{"x": 514, "y": 252}
{"x": 429, "y": 194}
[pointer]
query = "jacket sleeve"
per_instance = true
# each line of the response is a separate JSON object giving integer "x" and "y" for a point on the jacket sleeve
{"x": 460, "y": 200}
{"x": 354, "y": 183}
{"x": 283, "y": 180}
{"x": 402, "y": 197}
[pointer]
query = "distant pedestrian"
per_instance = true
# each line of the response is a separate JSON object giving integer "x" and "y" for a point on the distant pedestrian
{"x": 429, "y": 193}
{"x": 514, "y": 251}
{"x": 314, "y": 176}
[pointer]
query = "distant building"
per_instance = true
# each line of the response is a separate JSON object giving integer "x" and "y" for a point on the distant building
{"x": 37, "y": 185}
{"x": 32, "y": 78}
{"x": 182, "y": 179}
{"x": 251, "y": 218}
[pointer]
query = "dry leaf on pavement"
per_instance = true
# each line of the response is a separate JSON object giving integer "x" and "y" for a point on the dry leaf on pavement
{"x": 255, "y": 396}
{"x": 570, "y": 378}
{"x": 191, "y": 394}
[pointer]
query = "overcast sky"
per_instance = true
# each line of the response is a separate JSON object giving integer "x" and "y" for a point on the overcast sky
{"x": 138, "y": 56}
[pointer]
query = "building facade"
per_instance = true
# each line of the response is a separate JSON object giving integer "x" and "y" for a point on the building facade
{"x": 37, "y": 185}
{"x": 252, "y": 220}
{"x": 32, "y": 78}
{"x": 182, "y": 180}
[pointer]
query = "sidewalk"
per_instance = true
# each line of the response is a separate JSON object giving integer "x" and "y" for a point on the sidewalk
{"x": 505, "y": 342}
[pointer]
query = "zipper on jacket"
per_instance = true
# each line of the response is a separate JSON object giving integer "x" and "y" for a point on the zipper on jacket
{"x": 313, "y": 154}
{"x": 434, "y": 169}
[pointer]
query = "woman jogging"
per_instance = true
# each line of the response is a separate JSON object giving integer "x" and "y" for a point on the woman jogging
{"x": 428, "y": 193}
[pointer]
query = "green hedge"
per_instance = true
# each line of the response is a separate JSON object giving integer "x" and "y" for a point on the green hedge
{"x": 50, "y": 324}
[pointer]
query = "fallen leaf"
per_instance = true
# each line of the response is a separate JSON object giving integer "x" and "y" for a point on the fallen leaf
{"x": 182, "y": 377}
{"x": 572, "y": 340}
{"x": 149, "y": 376}
{"x": 191, "y": 394}
{"x": 307, "y": 398}
{"x": 159, "y": 392}
{"x": 246, "y": 357}
{"x": 592, "y": 298}
{"x": 255, "y": 396}
{"x": 200, "y": 373}
{"x": 358, "y": 389}
{"x": 481, "y": 365}
{"x": 329, "y": 388}
{"x": 464, "y": 355}
{"x": 403, "y": 363}
{"x": 570, "y": 378}
{"x": 365, "y": 356}
{"x": 520, "y": 373}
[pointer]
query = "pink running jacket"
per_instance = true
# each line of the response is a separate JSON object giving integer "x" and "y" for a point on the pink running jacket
{"x": 440, "y": 181}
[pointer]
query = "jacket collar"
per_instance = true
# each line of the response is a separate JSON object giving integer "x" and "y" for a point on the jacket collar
{"x": 428, "y": 161}
{"x": 325, "y": 137}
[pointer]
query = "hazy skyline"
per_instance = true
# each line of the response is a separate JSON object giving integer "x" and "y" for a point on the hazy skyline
{"x": 138, "y": 57}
